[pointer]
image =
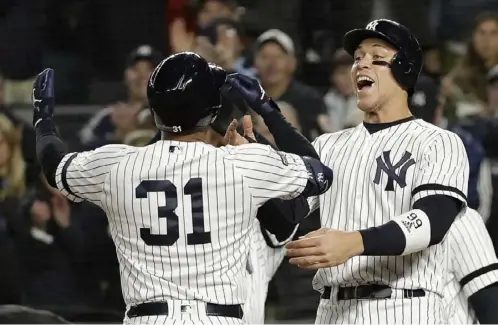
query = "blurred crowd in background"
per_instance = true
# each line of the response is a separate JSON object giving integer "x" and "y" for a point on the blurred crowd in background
{"x": 58, "y": 256}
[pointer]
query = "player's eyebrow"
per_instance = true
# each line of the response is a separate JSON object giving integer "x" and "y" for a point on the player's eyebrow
{"x": 379, "y": 45}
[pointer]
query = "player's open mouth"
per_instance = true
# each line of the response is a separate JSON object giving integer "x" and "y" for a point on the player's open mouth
{"x": 364, "y": 83}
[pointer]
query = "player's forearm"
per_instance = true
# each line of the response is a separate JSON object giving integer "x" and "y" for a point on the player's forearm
{"x": 287, "y": 138}
{"x": 49, "y": 149}
{"x": 484, "y": 303}
{"x": 424, "y": 226}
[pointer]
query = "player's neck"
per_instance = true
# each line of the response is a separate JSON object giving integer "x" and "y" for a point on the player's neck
{"x": 191, "y": 137}
{"x": 391, "y": 111}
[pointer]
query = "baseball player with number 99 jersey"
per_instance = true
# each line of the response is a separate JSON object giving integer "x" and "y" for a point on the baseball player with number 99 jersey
{"x": 181, "y": 211}
{"x": 399, "y": 185}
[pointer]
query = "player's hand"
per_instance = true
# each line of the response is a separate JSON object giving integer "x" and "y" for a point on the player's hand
{"x": 43, "y": 96}
{"x": 232, "y": 137}
{"x": 324, "y": 248}
{"x": 251, "y": 91}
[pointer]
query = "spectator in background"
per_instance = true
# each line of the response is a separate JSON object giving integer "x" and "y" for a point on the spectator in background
{"x": 183, "y": 39}
{"x": 27, "y": 136}
{"x": 465, "y": 85}
{"x": 432, "y": 62}
{"x": 12, "y": 166}
{"x": 12, "y": 188}
{"x": 287, "y": 111}
{"x": 112, "y": 124}
{"x": 210, "y": 10}
{"x": 220, "y": 42}
{"x": 341, "y": 98}
{"x": 492, "y": 91}
{"x": 275, "y": 63}
{"x": 49, "y": 251}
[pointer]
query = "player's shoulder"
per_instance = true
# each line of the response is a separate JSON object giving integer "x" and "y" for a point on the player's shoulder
{"x": 430, "y": 133}
{"x": 105, "y": 154}
{"x": 249, "y": 148}
{"x": 326, "y": 141}
{"x": 115, "y": 148}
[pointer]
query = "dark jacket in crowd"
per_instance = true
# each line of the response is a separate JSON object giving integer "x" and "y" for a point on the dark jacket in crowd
{"x": 10, "y": 292}
{"x": 50, "y": 259}
{"x": 50, "y": 269}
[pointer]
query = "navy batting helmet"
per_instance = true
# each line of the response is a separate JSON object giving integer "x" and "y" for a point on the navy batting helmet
{"x": 406, "y": 64}
{"x": 184, "y": 92}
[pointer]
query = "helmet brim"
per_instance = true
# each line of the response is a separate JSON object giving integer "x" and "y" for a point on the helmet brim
{"x": 353, "y": 39}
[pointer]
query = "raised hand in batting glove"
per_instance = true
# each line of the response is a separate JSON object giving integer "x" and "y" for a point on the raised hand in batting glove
{"x": 251, "y": 91}
{"x": 43, "y": 96}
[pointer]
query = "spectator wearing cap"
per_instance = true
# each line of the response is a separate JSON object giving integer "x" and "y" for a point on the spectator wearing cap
{"x": 275, "y": 62}
{"x": 111, "y": 124}
{"x": 341, "y": 99}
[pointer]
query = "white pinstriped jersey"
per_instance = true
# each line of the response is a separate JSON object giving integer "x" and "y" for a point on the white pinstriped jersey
{"x": 264, "y": 262}
{"x": 379, "y": 176}
{"x": 181, "y": 213}
{"x": 472, "y": 266}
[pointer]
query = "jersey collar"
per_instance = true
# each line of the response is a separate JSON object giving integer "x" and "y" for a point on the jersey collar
{"x": 376, "y": 127}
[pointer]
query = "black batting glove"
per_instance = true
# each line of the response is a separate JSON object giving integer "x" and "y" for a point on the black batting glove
{"x": 43, "y": 96}
{"x": 251, "y": 91}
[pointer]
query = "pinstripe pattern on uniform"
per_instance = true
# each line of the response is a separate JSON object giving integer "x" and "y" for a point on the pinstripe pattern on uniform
{"x": 471, "y": 250}
{"x": 264, "y": 261}
{"x": 87, "y": 172}
{"x": 235, "y": 182}
{"x": 356, "y": 202}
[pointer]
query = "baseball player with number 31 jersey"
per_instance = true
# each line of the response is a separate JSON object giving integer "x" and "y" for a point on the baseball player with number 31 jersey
{"x": 399, "y": 184}
{"x": 181, "y": 211}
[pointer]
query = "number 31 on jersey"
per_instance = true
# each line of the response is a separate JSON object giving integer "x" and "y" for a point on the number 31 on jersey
{"x": 192, "y": 188}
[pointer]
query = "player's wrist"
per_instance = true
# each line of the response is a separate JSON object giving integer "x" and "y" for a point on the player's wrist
{"x": 356, "y": 243}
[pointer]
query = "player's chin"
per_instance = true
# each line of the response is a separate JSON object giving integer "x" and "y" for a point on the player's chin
{"x": 367, "y": 103}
